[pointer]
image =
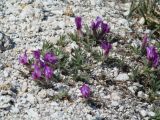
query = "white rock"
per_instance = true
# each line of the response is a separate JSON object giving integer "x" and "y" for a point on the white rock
{"x": 31, "y": 98}
{"x": 143, "y": 113}
{"x": 142, "y": 95}
{"x": 141, "y": 21}
{"x": 42, "y": 94}
{"x": 151, "y": 113}
{"x": 115, "y": 96}
{"x": 32, "y": 113}
{"x": 132, "y": 89}
{"x": 122, "y": 77}
{"x": 114, "y": 103}
{"x": 5, "y": 101}
{"x": 26, "y": 1}
{"x": 24, "y": 87}
{"x": 93, "y": 2}
{"x": 15, "y": 110}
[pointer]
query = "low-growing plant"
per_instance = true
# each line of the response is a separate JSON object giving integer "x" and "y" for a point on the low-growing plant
{"x": 42, "y": 65}
{"x": 157, "y": 115}
{"x": 149, "y": 73}
{"x": 149, "y": 10}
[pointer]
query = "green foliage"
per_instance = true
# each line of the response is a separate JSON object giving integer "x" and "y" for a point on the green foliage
{"x": 149, "y": 10}
{"x": 157, "y": 115}
{"x": 62, "y": 95}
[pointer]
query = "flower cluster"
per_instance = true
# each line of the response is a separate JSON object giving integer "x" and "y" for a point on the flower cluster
{"x": 152, "y": 52}
{"x": 106, "y": 47}
{"x": 41, "y": 66}
{"x": 85, "y": 91}
{"x": 99, "y": 29}
{"x": 152, "y": 56}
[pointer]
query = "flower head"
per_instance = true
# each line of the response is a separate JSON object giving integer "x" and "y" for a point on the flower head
{"x": 105, "y": 28}
{"x": 106, "y": 47}
{"x": 48, "y": 72}
{"x": 50, "y": 57}
{"x": 36, "y": 54}
{"x": 85, "y": 90}
{"x": 95, "y": 24}
{"x": 152, "y": 55}
{"x": 23, "y": 59}
{"x": 78, "y": 21}
{"x": 36, "y": 74}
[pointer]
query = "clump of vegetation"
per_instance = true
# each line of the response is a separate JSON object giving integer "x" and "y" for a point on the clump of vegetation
{"x": 149, "y": 73}
{"x": 149, "y": 10}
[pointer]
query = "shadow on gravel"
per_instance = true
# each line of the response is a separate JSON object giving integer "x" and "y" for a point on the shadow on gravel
{"x": 115, "y": 62}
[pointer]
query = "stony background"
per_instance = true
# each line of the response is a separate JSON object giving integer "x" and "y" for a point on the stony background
{"x": 26, "y": 24}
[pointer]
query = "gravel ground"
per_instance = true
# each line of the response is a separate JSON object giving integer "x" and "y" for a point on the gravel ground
{"x": 27, "y": 24}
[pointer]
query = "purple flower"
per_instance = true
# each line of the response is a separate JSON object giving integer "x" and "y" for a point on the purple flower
{"x": 50, "y": 57}
{"x": 78, "y": 21}
{"x": 95, "y": 24}
{"x": 85, "y": 90}
{"x": 106, "y": 47}
{"x": 105, "y": 28}
{"x": 145, "y": 40}
{"x": 36, "y": 74}
{"x": 48, "y": 72}
{"x": 36, "y": 54}
{"x": 23, "y": 59}
{"x": 152, "y": 56}
{"x": 40, "y": 63}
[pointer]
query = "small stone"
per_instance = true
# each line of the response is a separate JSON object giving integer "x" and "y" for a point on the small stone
{"x": 24, "y": 87}
{"x": 141, "y": 21}
{"x": 31, "y": 98}
{"x": 115, "y": 96}
{"x": 32, "y": 113}
{"x": 132, "y": 89}
{"x": 42, "y": 94}
{"x": 114, "y": 103}
{"x": 122, "y": 77}
{"x": 151, "y": 114}
{"x": 143, "y": 113}
{"x": 5, "y": 102}
{"x": 54, "y": 104}
{"x": 142, "y": 95}
{"x": 15, "y": 110}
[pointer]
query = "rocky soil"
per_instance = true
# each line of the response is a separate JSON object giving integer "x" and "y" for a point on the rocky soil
{"x": 26, "y": 24}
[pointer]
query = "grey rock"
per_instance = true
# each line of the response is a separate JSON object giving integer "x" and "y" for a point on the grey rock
{"x": 15, "y": 110}
{"x": 143, "y": 113}
{"x": 150, "y": 113}
{"x": 5, "y": 102}
{"x": 42, "y": 94}
{"x": 5, "y": 42}
{"x": 31, "y": 98}
{"x": 122, "y": 77}
{"x": 114, "y": 103}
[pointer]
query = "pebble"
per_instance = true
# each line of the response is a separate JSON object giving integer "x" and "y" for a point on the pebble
{"x": 122, "y": 77}
{"x": 143, "y": 113}
{"x": 114, "y": 103}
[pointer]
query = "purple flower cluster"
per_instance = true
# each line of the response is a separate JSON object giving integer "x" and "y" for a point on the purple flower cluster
{"x": 42, "y": 66}
{"x": 78, "y": 21}
{"x": 99, "y": 28}
{"x": 23, "y": 59}
{"x": 152, "y": 52}
{"x": 152, "y": 56}
{"x": 106, "y": 47}
{"x": 85, "y": 91}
